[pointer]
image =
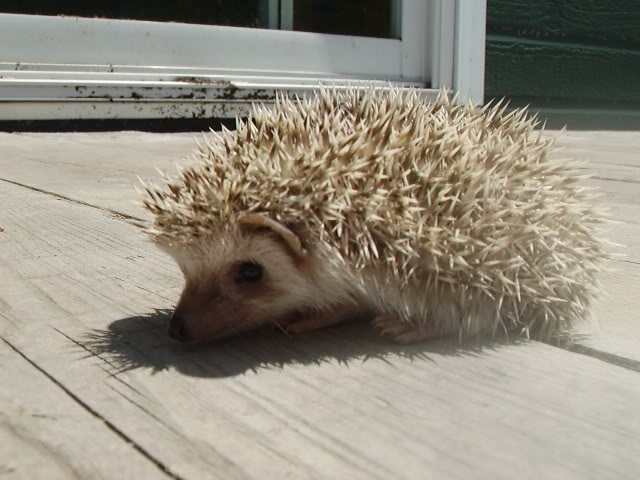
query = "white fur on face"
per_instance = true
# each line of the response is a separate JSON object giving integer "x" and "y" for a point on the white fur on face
{"x": 215, "y": 304}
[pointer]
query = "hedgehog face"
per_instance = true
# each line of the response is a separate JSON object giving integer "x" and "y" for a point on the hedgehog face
{"x": 236, "y": 283}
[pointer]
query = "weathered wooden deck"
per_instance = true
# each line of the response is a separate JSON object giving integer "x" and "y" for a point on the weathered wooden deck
{"x": 92, "y": 387}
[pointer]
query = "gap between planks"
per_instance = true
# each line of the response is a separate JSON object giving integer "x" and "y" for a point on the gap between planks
{"x": 122, "y": 435}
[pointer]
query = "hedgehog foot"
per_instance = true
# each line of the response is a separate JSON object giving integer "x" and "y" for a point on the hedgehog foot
{"x": 401, "y": 331}
{"x": 309, "y": 321}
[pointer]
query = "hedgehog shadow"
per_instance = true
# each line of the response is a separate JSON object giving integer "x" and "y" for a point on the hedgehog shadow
{"x": 141, "y": 342}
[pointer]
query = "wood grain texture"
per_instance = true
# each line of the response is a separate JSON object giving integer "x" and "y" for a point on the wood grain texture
{"x": 612, "y": 161}
{"x": 86, "y": 299}
{"x": 585, "y": 52}
{"x": 517, "y": 67}
{"x": 99, "y": 168}
{"x": 46, "y": 434}
{"x": 606, "y": 23}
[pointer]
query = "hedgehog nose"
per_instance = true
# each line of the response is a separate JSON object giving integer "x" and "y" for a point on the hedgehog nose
{"x": 177, "y": 329}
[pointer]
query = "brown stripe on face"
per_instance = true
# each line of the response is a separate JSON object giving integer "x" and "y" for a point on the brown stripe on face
{"x": 225, "y": 302}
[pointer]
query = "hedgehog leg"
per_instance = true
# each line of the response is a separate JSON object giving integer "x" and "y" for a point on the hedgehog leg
{"x": 402, "y": 331}
{"x": 309, "y": 321}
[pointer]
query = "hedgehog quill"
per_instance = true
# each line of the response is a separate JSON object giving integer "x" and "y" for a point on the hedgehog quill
{"x": 438, "y": 218}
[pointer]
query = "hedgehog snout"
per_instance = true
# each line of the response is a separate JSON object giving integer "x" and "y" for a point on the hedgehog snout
{"x": 178, "y": 329}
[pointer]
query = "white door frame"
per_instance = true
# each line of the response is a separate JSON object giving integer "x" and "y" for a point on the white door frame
{"x": 69, "y": 67}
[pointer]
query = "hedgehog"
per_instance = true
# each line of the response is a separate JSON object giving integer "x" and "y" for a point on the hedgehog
{"x": 434, "y": 218}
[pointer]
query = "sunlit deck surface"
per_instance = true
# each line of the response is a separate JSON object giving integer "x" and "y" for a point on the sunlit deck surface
{"x": 92, "y": 387}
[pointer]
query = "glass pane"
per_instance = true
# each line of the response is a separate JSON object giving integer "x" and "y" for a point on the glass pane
{"x": 370, "y": 18}
{"x": 365, "y": 18}
{"x": 237, "y": 13}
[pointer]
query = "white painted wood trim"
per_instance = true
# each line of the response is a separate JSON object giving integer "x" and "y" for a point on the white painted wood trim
{"x": 441, "y": 49}
{"x": 415, "y": 38}
{"x": 67, "y": 40}
{"x": 96, "y": 100}
{"x": 468, "y": 63}
{"x": 64, "y": 59}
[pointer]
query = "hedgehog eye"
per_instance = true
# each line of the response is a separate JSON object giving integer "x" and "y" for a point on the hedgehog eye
{"x": 250, "y": 272}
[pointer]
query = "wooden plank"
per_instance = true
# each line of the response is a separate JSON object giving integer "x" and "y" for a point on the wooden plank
{"x": 616, "y": 330}
{"x": 540, "y": 69}
{"x": 578, "y": 115}
{"x": 98, "y": 168}
{"x": 101, "y": 168}
{"x": 66, "y": 274}
{"x": 590, "y": 21}
{"x": 46, "y": 433}
{"x": 612, "y": 159}
{"x": 565, "y": 55}
{"x": 603, "y": 148}
{"x": 85, "y": 297}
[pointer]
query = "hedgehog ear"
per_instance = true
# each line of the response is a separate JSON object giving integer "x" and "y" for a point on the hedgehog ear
{"x": 256, "y": 220}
